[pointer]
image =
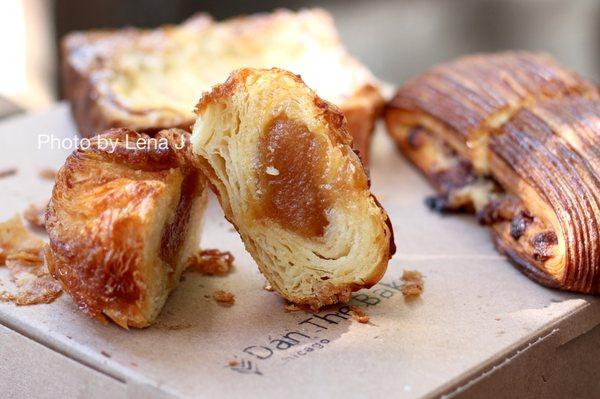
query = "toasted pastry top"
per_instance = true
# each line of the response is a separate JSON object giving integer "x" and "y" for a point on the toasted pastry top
{"x": 483, "y": 90}
{"x": 153, "y": 77}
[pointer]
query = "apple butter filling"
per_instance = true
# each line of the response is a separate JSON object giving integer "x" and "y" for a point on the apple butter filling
{"x": 174, "y": 233}
{"x": 291, "y": 170}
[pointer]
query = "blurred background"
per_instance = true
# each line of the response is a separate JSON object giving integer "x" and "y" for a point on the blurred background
{"x": 396, "y": 39}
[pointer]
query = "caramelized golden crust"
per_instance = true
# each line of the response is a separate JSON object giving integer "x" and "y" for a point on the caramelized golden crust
{"x": 150, "y": 79}
{"x": 515, "y": 138}
{"x": 361, "y": 115}
{"x": 467, "y": 93}
{"x": 536, "y": 148}
{"x": 279, "y": 159}
{"x": 122, "y": 221}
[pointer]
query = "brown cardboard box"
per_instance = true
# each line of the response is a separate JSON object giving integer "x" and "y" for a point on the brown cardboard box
{"x": 480, "y": 329}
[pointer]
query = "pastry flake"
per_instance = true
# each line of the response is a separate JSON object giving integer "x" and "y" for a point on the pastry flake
{"x": 17, "y": 243}
{"x": 7, "y": 172}
{"x": 359, "y": 315}
{"x": 47, "y": 173}
{"x": 224, "y": 297}
{"x": 22, "y": 252}
{"x": 211, "y": 262}
{"x": 35, "y": 214}
{"x": 412, "y": 283}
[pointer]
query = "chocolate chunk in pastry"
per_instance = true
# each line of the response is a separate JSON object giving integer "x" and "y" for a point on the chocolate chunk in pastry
{"x": 124, "y": 217}
{"x": 280, "y": 161}
{"x": 515, "y": 138}
{"x": 151, "y": 79}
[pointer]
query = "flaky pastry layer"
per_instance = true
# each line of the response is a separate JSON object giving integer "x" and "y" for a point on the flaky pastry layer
{"x": 279, "y": 159}
{"x": 513, "y": 137}
{"x": 124, "y": 218}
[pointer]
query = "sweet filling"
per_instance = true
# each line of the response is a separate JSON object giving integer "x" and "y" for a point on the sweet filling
{"x": 461, "y": 189}
{"x": 175, "y": 232}
{"x": 290, "y": 170}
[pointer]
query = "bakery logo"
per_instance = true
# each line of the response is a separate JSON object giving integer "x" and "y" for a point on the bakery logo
{"x": 310, "y": 334}
{"x": 49, "y": 141}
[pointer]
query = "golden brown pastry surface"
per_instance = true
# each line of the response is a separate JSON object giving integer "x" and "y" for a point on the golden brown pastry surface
{"x": 279, "y": 159}
{"x": 151, "y": 79}
{"x": 124, "y": 217}
{"x": 560, "y": 182}
{"x": 475, "y": 93}
{"x": 517, "y": 142}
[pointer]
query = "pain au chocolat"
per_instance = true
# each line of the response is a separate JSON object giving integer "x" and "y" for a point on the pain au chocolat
{"x": 279, "y": 159}
{"x": 124, "y": 217}
{"x": 515, "y": 138}
{"x": 151, "y": 79}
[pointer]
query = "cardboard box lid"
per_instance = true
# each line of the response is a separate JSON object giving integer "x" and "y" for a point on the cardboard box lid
{"x": 476, "y": 310}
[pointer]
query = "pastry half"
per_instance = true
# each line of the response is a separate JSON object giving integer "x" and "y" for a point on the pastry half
{"x": 124, "y": 217}
{"x": 151, "y": 79}
{"x": 515, "y": 138}
{"x": 280, "y": 160}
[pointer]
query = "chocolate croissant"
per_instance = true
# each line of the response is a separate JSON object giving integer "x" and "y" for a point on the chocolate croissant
{"x": 124, "y": 217}
{"x": 515, "y": 138}
{"x": 281, "y": 163}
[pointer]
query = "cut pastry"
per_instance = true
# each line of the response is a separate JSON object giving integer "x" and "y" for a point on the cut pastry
{"x": 280, "y": 161}
{"x": 151, "y": 79}
{"x": 124, "y": 218}
{"x": 513, "y": 137}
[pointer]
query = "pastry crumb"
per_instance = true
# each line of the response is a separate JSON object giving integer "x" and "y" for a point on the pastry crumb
{"x": 105, "y": 354}
{"x": 8, "y": 172}
{"x": 47, "y": 173}
{"x": 233, "y": 363}
{"x": 211, "y": 262}
{"x": 6, "y": 296}
{"x": 33, "y": 281}
{"x": 268, "y": 287}
{"x": 38, "y": 290}
{"x": 272, "y": 171}
{"x": 412, "y": 285}
{"x": 23, "y": 254}
{"x": 224, "y": 297}
{"x": 291, "y": 307}
{"x": 359, "y": 315}
{"x": 36, "y": 214}
{"x": 18, "y": 243}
